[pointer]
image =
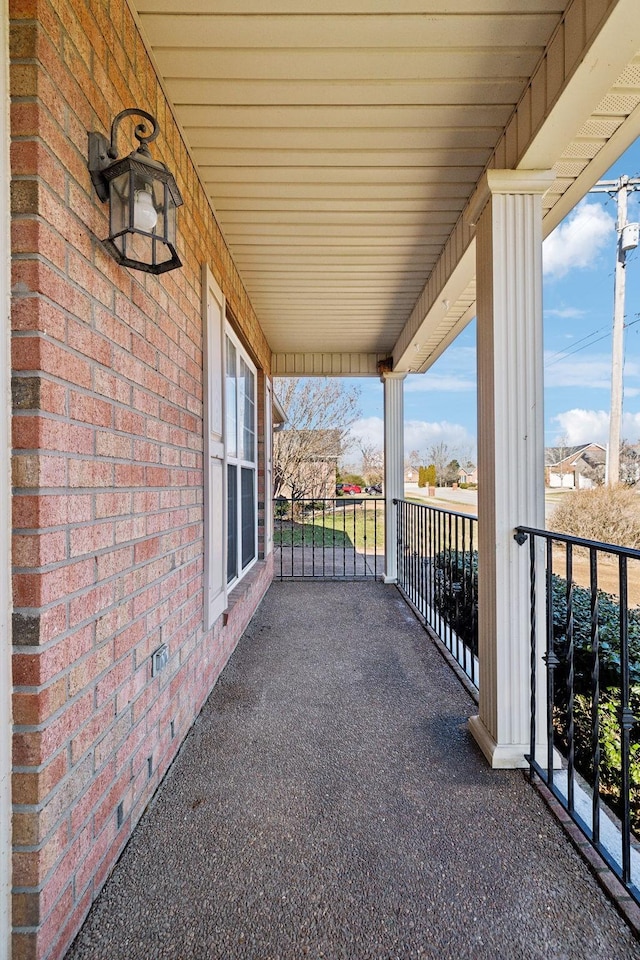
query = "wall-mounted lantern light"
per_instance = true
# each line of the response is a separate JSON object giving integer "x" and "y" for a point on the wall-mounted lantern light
{"x": 143, "y": 196}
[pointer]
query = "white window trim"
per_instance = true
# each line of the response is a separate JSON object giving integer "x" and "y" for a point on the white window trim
{"x": 240, "y": 463}
{"x": 215, "y": 510}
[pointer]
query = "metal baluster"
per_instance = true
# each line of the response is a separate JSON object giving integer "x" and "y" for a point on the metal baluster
{"x": 465, "y": 646}
{"x": 474, "y": 618}
{"x": 333, "y": 537}
{"x": 570, "y": 682}
{"x": 354, "y": 538}
{"x": 626, "y": 720}
{"x": 457, "y": 589}
{"x": 423, "y": 565}
{"x": 534, "y": 645}
{"x": 292, "y": 533}
{"x": 595, "y": 693}
{"x": 551, "y": 661}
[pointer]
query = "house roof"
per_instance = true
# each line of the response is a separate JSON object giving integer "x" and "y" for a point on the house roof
{"x": 341, "y": 143}
{"x": 592, "y": 453}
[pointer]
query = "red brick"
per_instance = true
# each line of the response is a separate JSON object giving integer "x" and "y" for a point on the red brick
{"x": 39, "y": 589}
{"x": 33, "y": 276}
{"x": 31, "y": 236}
{"x": 90, "y": 409}
{"x": 112, "y": 504}
{"x": 30, "y": 868}
{"x": 91, "y": 603}
{"x": 113, "y": 679}
{"x": 35, "y": 353}
{"x": 88, "y": 343}
{"x": 34, "y": 708}
{"x": 38, "y": 550}
{"x": 34, "y": 669}
{"x": 34, "y": 787}
{"x": 109, "y": 444}
{"x": 90, "y": 473}
{"x": 50, "y": 510}
{"x": 90, "y": 539}
{"x": 32, "y": 433}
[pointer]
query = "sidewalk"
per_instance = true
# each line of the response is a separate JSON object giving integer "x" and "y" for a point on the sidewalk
{"x": 330, "y": 803}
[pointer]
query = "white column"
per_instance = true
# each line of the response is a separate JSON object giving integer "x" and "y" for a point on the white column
{"x": 507, "y": 208}
{"x": 5, "y": 498}
{"x": 393, "y": 467}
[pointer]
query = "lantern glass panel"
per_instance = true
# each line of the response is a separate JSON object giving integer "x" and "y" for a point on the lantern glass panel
{"x": 119, "y": 205}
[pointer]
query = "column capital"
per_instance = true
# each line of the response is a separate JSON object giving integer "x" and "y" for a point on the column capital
{"x": 391, "y": 375}
{"x": 506, "y": 182}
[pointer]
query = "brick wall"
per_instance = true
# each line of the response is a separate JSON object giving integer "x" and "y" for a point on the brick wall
{"x": 108, "y": 514}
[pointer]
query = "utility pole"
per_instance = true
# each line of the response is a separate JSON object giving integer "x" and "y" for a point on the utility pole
{"x": 627, "y": 240}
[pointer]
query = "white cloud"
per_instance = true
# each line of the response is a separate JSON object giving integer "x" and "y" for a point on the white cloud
{"x": 369, "y": 430}
{"x": 565, "y": 313}
{"x": 571, "y": 372}
{"x": 586, "y": 426}
{"x": 422, "y": 434}
{"x": 438, "y": 381}
{"x": 578, "y": 240}
{"x": 592, "y": 371}
{"x": 418, "y": 435}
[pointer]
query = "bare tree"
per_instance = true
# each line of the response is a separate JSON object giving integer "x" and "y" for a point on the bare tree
{"x": 629, "y": 463}
{"x": 440, "y": 456}
{"x": 372, "y": 462}
{"x": 319, "y": 413}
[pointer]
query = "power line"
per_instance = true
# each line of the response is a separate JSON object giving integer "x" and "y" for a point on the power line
{"x": 562, "y": 353}
{"x": 570, "y": 353}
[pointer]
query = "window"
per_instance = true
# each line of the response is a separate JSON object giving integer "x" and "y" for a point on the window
{"x": 240, "y": 436}
{"x": 231, "y": 516}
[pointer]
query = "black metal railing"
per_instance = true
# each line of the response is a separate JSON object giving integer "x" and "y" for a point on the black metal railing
{"x": 585, "y": 658}
{"x": 329, "y": 537}
{"x": 438, "y": 573}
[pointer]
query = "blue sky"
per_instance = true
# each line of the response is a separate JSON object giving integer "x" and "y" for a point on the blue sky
{"x": 579, "y": 262}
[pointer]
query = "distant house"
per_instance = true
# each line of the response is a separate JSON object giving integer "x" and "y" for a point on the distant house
{"x": 468, "y": 474}
{"x": 306, "y": 462}
{"x": 575, "y": 468}
{"x": 410, "y": 474}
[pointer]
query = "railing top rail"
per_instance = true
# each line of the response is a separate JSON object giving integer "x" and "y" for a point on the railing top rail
{"x": 614, "y": 548}
{"x": 429, "y": 506}
{"x": 349, "y": 497}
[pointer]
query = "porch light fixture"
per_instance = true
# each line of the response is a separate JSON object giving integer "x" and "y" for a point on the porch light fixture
{"x": 143, "y": 196}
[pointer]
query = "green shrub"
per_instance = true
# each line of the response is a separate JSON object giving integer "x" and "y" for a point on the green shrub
{"x": 456, "y": 593}
{"x": 609, "y": 703}
{"x": 608, "y": 634}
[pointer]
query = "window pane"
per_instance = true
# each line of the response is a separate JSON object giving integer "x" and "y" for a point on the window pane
{"x": 232, "y": 401}
{"x": 248, "y": 516}
{"x": 248, "y": 402}
{"x": 232, "y": 522}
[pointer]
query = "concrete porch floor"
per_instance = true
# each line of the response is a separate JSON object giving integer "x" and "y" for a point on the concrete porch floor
{"x": 330, "y": 803}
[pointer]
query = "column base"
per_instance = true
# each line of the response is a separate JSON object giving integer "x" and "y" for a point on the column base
{"x": 387, "y": 579}
{"x": 509, "y": 756}
{"x": 501, "y": 756}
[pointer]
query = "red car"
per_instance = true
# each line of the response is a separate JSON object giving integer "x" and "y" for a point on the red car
{"x": 351, "y": 488}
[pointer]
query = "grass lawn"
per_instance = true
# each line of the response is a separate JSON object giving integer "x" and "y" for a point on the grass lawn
{"x": 355, "y": 523}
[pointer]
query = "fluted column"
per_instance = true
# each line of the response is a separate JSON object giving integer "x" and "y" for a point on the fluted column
{"x": 393, "y": 467}
{"x": 507, "y": 208}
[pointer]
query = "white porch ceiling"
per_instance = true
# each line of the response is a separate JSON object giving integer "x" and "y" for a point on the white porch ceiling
{"x": 340, "y": 141}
